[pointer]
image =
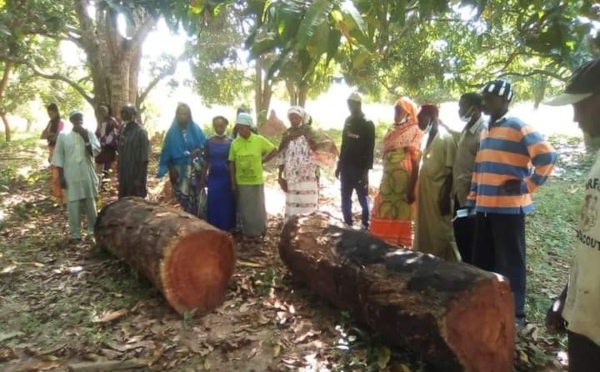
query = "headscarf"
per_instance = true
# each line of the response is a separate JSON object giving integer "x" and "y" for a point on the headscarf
{"x": 324, "y": 152}
{"x": 298, "y": 111}
{"x": 177, "y": 149}
{"x": 244, "y": 119}
{"x": 405, "y": 135}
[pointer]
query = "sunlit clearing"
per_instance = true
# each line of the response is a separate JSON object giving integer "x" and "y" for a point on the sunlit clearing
{"x": 25, "y": 171}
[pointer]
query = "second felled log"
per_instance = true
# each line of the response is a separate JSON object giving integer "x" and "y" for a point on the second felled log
{"x": 459, "y": 318}
{"x": 187, "y": 259}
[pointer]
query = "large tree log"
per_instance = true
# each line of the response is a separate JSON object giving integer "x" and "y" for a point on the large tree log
{"x": 459, "y": 318}
{"x": 187, "y": 259}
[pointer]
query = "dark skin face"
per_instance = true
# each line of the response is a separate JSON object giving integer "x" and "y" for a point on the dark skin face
{"x": 183, "y": 115}
{"x": 587, "y": 114}
{"x": 494, "y": 105}
{"x": 219, "y": 126}
{"x": 424, "y": 120}
{"x": 399, "y": 114}
{"x": 465, "y": 108}
{"x": 244, "y": 131}
{"x": 295, "y": 120}
{"x": 77, "y": 121}
{"x": 126, "y": 114}
{"x": 355, "y": 108}
{"x": 52, "y": 114}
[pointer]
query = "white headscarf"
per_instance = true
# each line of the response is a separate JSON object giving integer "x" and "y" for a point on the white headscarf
{"x": 298, "y": 111}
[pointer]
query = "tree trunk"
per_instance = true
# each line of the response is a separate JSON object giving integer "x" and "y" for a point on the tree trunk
{"x": 187, "y": 259}
{"x": 113, "y": 59}
{"x": 539, "y": 92}
{"x": 292, "y": 92}
{"x": 302, "y": 94}
{"x": 263, "y": 91}
{"x": 459, "y": 318}
{"x": 3, "y": 85}
{"x": 7, "y": 133}
{"x": 29, "y": 125}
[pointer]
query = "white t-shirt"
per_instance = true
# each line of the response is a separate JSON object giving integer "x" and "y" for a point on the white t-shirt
{"x": 582, "y": 307}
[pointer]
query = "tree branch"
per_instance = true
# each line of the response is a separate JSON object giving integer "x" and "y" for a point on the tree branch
{"x": 51, "y": 76}
{"x": 158, "y": 78}
{"x": 4, "y": 82}
{"x": 535, "y": 72}
{"x": 142, "y": 32}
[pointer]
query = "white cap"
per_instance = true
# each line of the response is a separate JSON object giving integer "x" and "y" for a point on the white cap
{"x": 244, "y": 119}
{"x": 355, "y": 96}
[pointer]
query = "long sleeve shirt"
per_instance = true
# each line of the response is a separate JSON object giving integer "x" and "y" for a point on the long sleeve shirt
{"x": 358, "y": 143}
{"x": 509, "y": 150}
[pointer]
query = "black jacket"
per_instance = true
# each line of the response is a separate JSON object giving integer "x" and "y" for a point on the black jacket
{"x": 358, "y": 143}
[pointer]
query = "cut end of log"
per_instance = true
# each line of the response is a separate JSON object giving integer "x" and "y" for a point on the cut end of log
{"x": 481, "y": 328}
{"x": 196, "y": 270}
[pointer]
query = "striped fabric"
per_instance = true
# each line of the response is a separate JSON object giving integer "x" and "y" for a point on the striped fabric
{"x": 509, "y": 150}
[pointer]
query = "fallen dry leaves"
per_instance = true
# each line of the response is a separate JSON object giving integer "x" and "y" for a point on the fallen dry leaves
{"x": 74, "y": 307}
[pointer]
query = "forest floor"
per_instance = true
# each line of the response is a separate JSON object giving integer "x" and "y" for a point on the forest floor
{"x": 75, "y": 307}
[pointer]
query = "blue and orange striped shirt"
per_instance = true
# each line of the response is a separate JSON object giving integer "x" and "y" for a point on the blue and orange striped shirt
{"x": 509, "y": 150}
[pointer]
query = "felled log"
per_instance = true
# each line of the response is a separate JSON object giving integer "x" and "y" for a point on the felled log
{"x": 187, "y": 259}
{"x": 459, "y": 318}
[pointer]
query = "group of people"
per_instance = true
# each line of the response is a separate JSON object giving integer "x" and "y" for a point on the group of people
{"x": 78, "y": 156}
{"x": 466, "y": 194}
{"x": 459, "y": 196}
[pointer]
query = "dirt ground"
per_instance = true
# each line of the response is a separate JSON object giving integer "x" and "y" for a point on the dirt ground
{"x": 74, "y": 307}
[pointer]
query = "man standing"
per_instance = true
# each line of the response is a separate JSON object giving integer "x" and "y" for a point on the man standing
{"x": 356, "y": 158}
{"x": 501, "y": 189}
{"x": 469, "y": 110}
{"x": 133, "y": 155}
{"x": 433, "y": 232}
{"x": 74, "y": 157}
{"x": 579, "y": 302}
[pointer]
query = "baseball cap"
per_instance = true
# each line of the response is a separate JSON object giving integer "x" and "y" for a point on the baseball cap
{"x": 500, "y": 88}
{"x": 584, "y": 83}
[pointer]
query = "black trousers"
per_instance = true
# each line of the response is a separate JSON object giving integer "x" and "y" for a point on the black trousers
{"x": 464, "y": 233}
{"x": 500, "y": 247}
{"x": 584, "y": 354}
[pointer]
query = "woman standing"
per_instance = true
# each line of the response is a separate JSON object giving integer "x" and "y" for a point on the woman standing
{"x": 182, "y": 158}
{"x": 220, "y": 202}
{"x": 298, "y": 173}
{"x": 50, "y": 134}
{"x": 247, "y": 155}
{"x": 394, "y": 206}
{"x": 107, "y": 133}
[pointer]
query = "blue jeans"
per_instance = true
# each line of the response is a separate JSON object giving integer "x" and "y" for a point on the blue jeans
{"x": 353, "y": 178}
{"x": 500, "y": 247}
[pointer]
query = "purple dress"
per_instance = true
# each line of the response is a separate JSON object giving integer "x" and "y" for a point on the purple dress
{"x": 221, "y": 211}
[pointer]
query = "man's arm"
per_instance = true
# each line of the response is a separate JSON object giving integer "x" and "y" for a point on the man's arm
{"x": 58, "y": 160}
{"x": 94, "y": 145}
{"x": 543, "y": 157}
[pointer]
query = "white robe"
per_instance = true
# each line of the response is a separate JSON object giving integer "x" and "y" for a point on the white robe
{"x": 78, "y": 165}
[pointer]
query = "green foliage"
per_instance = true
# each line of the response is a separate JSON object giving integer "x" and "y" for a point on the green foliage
{"x": 220, "y": 77}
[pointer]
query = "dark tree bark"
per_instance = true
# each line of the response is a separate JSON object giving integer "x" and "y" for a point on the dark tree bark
{"x": 187, "y": 259}
{"x": 459, "y": 318}
{"x": 8, "y": 66}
